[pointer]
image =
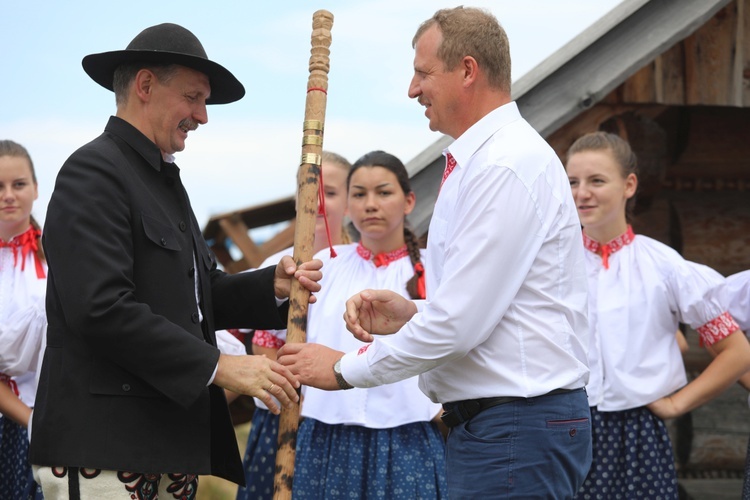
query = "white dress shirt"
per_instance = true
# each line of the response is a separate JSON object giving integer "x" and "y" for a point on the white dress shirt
{"x": 506, "y": 287}
{"x": 635, "y": 308}
{"x": 381, "y": 407}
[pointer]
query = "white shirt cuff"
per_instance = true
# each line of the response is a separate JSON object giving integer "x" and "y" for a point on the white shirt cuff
{"x": 213, "y": 375}
{"x": 356, "y": 370}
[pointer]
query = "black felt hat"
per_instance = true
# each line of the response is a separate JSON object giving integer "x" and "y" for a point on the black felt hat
{"x": 168, "y": 44}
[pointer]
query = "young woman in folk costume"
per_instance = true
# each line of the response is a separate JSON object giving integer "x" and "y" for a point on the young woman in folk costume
{"x": 23, "y": 323}
{"x": 639, "y": 291}
{"x": 738, "y": 298}
{"x": 260, "y": 454}
{"x": 381, "y": 442}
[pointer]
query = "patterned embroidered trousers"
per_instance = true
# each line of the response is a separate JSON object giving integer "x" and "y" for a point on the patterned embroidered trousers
{"x": 72, "y": 483}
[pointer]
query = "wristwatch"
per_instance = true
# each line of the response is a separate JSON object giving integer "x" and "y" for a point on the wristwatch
{"x": 343, "y": 384}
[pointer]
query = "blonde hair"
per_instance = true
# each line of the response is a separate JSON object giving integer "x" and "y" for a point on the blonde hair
{"x": 340, "y": 161}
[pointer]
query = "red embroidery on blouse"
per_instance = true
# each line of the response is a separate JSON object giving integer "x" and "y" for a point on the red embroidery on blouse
{"x": 363, "y": 349}
{"x": 6, "y": 380}
{"x": 718, "y": 328}
{"x": 382, "y": 259}
{"x": 237, "y": 333}
{"x": 264, "y": 338}
{"x": 607, "y": 249}
{"x": 23, "y": 244}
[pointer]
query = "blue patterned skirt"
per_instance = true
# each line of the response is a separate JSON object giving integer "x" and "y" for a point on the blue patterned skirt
{"x": 260, "y": 457}
{"x": 632, "y": 457}
{"x": 349, "y": 461}
{"x": 16, "y": 479}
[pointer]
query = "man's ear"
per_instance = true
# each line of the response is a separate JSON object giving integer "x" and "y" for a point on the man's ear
{"x": 145, "y": 80}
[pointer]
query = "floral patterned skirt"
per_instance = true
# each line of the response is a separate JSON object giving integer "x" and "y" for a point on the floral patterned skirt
{"x": 349, "y": 461}
{"x": 259, "y": 462}
{"x": 16, "y": 479}
{"x": 632, "y": 457}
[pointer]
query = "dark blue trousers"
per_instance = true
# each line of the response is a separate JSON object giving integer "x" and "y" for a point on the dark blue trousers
{"x": 530, "y": 448}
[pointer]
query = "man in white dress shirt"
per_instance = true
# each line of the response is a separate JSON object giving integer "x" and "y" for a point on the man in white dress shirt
{"x": 500, "y": 340}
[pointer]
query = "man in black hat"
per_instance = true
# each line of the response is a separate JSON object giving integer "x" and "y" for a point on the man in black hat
{"x": 130, "y": 396}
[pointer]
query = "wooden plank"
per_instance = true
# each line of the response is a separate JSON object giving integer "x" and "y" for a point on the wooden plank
{"x": 237, "y": 231}
{"x": 641, "y": 87}
{"x": 585, "y": 122}
{"x": 672, "y": 76}
{"x": 709, "y": 60}
{"x": 721, "y": 246}
{"x": 281, "y": 240}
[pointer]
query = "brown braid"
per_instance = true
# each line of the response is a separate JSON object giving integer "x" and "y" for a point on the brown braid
{"x": 412, "y": 244}
{"x": 39, "y": 249}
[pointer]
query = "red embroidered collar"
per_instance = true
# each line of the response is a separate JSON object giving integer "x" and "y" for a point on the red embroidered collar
{"x": 23, "y": 244}
{"x": 607, "y": 249}
{"x": 382, "y": 259}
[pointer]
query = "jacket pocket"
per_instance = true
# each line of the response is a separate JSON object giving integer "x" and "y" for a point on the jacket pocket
{"x": 111, "y": 380}
{"x": 160, "y": 233}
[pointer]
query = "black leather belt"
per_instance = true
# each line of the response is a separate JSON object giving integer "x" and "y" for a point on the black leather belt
{"x": 459, "y": 412}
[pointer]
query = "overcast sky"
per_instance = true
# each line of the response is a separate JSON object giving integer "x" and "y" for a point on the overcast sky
{"x": 249, "y": 151}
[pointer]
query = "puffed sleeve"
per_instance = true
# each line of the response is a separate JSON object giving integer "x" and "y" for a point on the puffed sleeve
{"x": 700, "y": 298}
{"x": 21, "y": 338}
{"x": 738, "y": 298}
{"x": 229, "y": 344}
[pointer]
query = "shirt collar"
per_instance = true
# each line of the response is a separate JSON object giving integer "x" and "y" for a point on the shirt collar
{"x": 612, "y": 246}
{"x": 382, "y": 259}
{"x": 136, "y": 140}
{"x": 475, "y": 136}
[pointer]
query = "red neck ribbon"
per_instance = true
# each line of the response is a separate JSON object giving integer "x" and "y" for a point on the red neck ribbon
{"x": 24, "y": 244}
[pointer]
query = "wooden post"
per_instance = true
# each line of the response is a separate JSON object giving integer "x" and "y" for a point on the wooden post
{"x": 307, "y": 208}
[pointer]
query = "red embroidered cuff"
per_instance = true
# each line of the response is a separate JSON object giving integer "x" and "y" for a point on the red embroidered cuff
{"x": 718, "y": 328}
{"x": 264, "y": 338}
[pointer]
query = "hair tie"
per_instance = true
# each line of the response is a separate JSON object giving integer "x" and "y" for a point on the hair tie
{"x": 421, "y": 288}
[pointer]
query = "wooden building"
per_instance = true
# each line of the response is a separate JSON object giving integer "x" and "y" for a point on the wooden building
{"x": 673, "y": 77}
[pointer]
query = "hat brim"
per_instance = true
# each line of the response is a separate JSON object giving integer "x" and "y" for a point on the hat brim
{"x": 225, "y": 88}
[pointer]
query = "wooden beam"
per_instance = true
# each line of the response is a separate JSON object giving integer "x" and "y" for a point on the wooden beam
{"x": 710, "y": 63}
{"x": 237, "y": 231}
{"x": 281, "y": 240}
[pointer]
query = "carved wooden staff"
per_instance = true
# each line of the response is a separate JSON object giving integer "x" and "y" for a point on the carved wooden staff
{"x": 308, "y": 177}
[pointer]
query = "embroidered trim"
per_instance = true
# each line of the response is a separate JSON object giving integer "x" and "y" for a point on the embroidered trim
{"x": 382, "y": 259}
{"x": 607, "y": 249}
{"x": 717, "y": 329}
{"x": 264, "y": 338}
{"x": 237, "y": 333}
{"x": 6, "y": 380}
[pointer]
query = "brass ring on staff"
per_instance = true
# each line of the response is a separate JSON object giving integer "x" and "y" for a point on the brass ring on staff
{"x": 315, "y": 140}
{"x": 312, "y": 125}
{"x": 312, "y": 158}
